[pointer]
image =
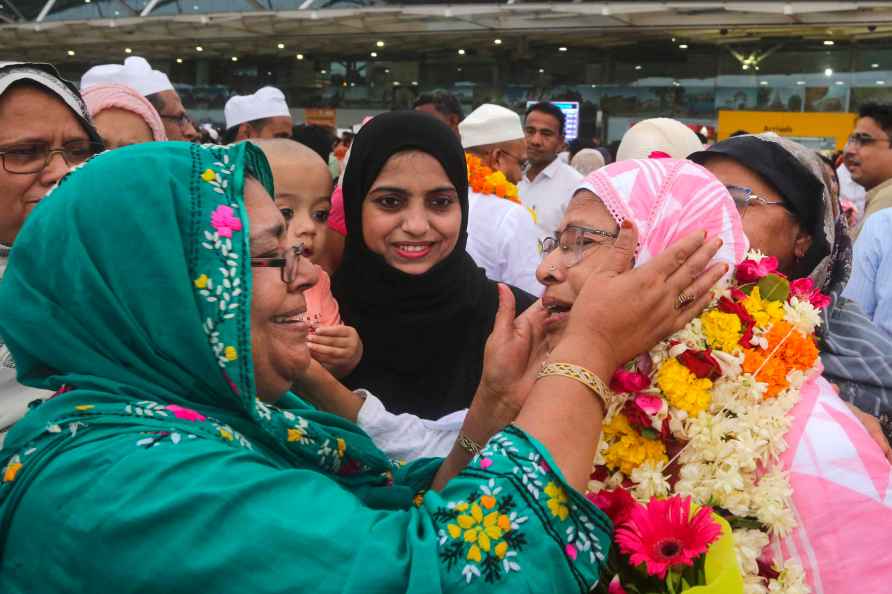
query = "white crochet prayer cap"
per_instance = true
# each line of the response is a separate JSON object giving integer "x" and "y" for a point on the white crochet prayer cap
{"x": 658, "y": 135}
{"x": 135, "y": 73}
{"x": 490, "y": 124}
{"x": 268, "y": 102}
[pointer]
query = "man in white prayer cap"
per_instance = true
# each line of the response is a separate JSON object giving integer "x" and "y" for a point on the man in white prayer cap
{"x": 264, "y": 114}
{"x": 154, "y": 85}
{"x": 502, "y": 236}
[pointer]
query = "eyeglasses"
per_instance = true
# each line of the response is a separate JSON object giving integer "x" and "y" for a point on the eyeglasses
{"x": 744, "y": 198}
{"x": 33, "y": 157}
{"x": 521, "y": 162}
{"x": 574, "y": 241}
{"x": 859, "y": 139}
{"x": 288, "y": 266}
{"x": 182, "y": 120}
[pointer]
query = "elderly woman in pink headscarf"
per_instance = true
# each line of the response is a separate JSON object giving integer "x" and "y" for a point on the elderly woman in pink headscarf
{"x": 123, "y": 116}
{"x": 841, "y": 481}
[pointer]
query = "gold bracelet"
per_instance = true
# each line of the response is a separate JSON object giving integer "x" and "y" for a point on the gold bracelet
{"x": 581, "y": 375}
{"x": 468, "y": 444}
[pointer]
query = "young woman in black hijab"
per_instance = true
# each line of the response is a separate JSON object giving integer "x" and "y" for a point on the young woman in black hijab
{"x": 422, "y": 308}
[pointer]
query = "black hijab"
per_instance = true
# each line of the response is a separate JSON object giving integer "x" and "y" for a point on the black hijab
{"x": 423, "y": 335}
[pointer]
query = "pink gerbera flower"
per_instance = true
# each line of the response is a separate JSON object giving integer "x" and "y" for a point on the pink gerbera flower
{"x": 663, "y": 534}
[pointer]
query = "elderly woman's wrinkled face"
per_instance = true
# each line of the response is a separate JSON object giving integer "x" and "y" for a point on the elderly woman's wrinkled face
{"x": 121, "y": 127}
{"x": 411, "y": 216}
{"x": 278, "y": 330}
{"x": 771, "y": 229}
{"x": 31, "y": 120}
{"x": 581, "y": 248}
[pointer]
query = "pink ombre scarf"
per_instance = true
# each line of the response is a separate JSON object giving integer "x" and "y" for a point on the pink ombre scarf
{"x": 669, "y": 199}
{"x": 101, "y": 97}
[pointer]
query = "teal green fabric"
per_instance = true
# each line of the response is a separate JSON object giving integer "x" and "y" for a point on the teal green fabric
{"x": 154, "y": 468}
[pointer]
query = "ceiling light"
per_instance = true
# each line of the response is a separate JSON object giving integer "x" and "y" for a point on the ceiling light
{"x": 374, "y": 54}
{"x": 387, "y": 71}
{"x": 323, "y": 72}
{"x": 86, "y": 1}
{"x": 745, "y": 67}
{"x": 839, "y": 82}
{"x": 562, "y": 49}
{"x": 396, "y": 83}
{"x": 235, "y": 58}
{"x": 800, "y": 82}
{"x": 874, "y": 65}
{"x": 541, "y": 71}
{"x": 127, "y": 50}
{"x": 881, "y": 82}
{"x": 380, "y": 44}
{"x": 281, "y": 46}
{"x": 828, "y": 71}
{"x": 594, "y": 86}
{"x": 673, "y": 40}
{"x": 828, "y": 42}
{"x": 70, "y": 52}
{"x": 763, "y": 83}
{"x": 497, "y": 41}
{"x": 675, "y": 83}
{"x": 179, "y": 60}
{"x": 638, "y": 67}
{"x": 459, "y": 68}
{"x": 198, "y": 48}
{"x": 683, "y": 46}
{"x": 461, "y": 52}
{"x": 414, "y": 83}
{"x": 299, "y": 56}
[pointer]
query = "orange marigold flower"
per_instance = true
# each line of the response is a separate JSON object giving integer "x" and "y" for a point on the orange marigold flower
{"x": 788, "y": 350}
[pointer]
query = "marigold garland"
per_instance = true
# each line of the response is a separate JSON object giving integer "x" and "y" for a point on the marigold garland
{"x": 484, "y": 180}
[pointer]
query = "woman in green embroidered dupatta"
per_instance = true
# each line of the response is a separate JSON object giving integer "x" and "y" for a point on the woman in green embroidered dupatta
{"x": 155, "y": 469}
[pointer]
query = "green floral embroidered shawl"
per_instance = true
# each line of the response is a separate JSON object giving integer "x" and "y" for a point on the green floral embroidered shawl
{"x": 155, "y": 469}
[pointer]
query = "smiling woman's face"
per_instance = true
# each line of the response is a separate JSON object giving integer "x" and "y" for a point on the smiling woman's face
{"x": 411, "y": 216}
{"x": 559, "y": 267}
{"x": 278, "y": 330}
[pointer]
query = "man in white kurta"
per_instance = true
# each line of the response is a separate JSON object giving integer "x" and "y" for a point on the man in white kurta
{"x": 502, "y": 237}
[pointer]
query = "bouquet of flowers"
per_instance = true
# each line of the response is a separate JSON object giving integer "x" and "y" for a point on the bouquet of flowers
{"x": 701, "y": 421}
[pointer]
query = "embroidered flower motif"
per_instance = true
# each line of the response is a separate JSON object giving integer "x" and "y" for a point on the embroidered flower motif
{"x": 484, "y": 532}
{"x": 342, "y": 447}
{"x": 224, "y": 221}
{"x": 295, "y": 434}
{"x": 187, "y": 414}
{"x": 557, "y": 502}
{"x": 83, "y": 407}
{"x": 225, "y": 433}
{"x": 209, "y": 175}
{"x": 230, "y": 353}
{"x": 201, "y": 282}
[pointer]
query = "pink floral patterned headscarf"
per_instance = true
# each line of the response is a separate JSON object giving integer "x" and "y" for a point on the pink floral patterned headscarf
{"x": 101, "y": 97}
{"x": 668, "y": 199}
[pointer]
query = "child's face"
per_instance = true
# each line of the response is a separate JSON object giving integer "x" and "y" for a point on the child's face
{"x": 303, "y": 193}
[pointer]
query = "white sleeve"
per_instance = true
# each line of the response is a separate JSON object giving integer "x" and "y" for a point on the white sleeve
{"x": 407, "y": 437}
{"x": 519, "y": 239}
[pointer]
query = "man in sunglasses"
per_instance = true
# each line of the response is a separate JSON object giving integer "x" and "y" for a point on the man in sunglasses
{"x": 154, "y": 85}
{"x": 868, "y": 156}
{"x": 502, "y": 237}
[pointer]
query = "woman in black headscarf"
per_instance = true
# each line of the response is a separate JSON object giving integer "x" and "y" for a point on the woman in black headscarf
{"x": 419, "y": 302}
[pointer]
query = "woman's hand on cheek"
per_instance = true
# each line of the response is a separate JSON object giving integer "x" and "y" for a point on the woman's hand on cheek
{"x": 514, "y": 351}
{"x": 338, "y": 348}
{"x": 621, "y": 312}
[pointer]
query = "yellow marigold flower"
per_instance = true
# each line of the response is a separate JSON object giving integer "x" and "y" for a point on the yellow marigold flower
{"x": 631, "y": 449}
{"x": 764, "y": 312}
{"x": 295, "y": 435}
{"x": 722, "y": 330}
{"x": 230, "y": 353}
{"x": 557, "y": 503}
{"x": 683, "y": 389}
{"x": 201, "y": 282}
{"x": 208, "y": 175}
{"x": 12, "y": 469}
